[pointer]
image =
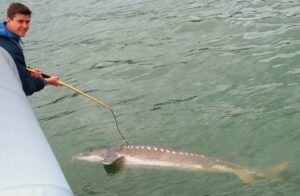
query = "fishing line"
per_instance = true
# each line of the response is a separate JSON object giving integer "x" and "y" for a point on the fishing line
{"x": 100, "y": 102}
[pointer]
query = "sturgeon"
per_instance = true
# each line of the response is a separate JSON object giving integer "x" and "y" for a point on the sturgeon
{"x": 152, "y": 155}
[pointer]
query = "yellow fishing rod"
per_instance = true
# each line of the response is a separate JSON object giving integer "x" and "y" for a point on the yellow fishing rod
{"x": 100, "y": 102}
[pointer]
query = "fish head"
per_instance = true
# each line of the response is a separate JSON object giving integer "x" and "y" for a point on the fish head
{"x": 93, "y": 156}
{"x": 104, "y": 155}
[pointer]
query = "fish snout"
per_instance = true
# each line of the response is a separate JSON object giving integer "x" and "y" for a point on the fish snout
{"x": 88, "y": 156}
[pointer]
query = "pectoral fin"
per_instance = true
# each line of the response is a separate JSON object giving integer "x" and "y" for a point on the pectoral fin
{"x": 111, "y": 156}
{"x": 110, "y": 159}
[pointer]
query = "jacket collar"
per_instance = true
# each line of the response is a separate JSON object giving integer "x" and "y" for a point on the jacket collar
{"x": 6, "y": 33}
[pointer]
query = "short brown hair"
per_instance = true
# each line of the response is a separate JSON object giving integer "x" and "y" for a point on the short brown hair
{"x": 17, "y": 8}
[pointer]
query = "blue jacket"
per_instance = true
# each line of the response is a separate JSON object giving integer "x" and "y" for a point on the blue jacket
{"x": 13, "y": 45}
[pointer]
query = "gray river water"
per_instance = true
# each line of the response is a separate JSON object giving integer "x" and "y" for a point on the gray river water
{"x": 215, "y": 76}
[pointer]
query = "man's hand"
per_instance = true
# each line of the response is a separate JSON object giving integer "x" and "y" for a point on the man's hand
{"x": 36, "y": 73}
{"x": 53, "y": 80}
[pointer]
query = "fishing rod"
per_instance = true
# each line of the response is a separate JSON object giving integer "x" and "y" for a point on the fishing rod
{"x": 100, "y": 102}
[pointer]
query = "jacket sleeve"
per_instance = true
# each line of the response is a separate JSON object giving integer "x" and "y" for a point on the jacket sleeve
{"x": 30, "y": 84}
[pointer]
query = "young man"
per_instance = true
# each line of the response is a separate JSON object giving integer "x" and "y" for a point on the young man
{"x": 16, "y": 26}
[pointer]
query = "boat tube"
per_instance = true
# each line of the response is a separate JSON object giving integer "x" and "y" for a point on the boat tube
{"x": 28, "y": 166}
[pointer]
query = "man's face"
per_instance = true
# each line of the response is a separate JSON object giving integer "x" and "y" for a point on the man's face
{"x": 19, "y": 25}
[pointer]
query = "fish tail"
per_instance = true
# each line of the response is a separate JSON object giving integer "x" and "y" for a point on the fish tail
{"x": 273, "y": 172}
{"x": 245, "y": 175}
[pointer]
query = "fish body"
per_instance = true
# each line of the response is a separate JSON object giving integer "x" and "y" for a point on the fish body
{"x": 159, "y": 156}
